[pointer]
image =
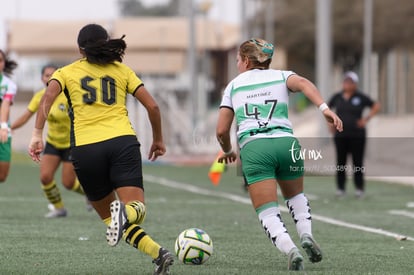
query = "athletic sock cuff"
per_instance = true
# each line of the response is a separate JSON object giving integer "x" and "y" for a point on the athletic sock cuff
{"x": 49, "y": 185}
{"x": 266, "y": 206}
{"x": 286, "y": 199}
{"x": 107, "y": 221}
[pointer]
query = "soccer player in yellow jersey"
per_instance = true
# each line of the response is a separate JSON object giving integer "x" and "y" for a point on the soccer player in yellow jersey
{"x": 105, "y": 150}
{"x": 57, "y": 148}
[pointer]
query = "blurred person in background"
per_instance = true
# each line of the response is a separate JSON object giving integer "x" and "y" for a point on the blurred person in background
{"x": 349, "y": 104}
{"x": 8, "y": 91}
{"x": 57, "y": 148}
{"x": 258, "y": 98}
{"x": 105, "y": 150}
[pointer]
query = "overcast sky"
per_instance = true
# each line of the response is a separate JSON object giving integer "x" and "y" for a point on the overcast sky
{"x": 62, "y": 10}
{"x": 227, "y": 10}
{"x": 224, "y": 10}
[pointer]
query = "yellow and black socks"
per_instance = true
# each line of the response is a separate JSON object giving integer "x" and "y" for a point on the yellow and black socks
{"x": 52, "y": 194}
{"x": 77, "y": 188}
{"x": 135, "y": 236}
{"x": 107, "y": 221}
{"x": 135, "y": 211}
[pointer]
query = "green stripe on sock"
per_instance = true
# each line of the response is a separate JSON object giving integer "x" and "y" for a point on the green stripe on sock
{"x": 266, "y": 206}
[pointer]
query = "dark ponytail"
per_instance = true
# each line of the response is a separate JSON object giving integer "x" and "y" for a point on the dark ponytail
{"x": 104, "y": 52}
{"x": 9, "y": 65}
{"x": 99, "y": 49}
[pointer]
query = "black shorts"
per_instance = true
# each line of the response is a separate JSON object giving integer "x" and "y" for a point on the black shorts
{"x": 63, "y": 154}
{"x": 104, "y": 166}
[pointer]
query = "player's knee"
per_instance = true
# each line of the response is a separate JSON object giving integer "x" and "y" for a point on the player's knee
{"x": 68, "y": 184}
{"x": 46, "y": 178}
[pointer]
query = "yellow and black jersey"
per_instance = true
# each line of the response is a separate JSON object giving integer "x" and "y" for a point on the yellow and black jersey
{"x": 58, "y": 120}
{"x": 97, "y": 97}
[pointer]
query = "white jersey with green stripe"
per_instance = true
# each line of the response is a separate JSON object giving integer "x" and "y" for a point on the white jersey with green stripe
{"x": 259, "y": 99}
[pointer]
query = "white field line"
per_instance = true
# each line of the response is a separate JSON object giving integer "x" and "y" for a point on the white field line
{"x": 198, "y": 190}
{"x": 402, "y": 213}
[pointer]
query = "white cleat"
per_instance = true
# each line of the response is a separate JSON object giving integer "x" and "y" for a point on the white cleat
{"x": 115, "y": 229}
{"x": 55, "y": 212}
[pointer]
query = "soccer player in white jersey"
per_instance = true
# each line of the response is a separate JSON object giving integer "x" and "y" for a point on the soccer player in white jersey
{"x": 258, "y": 99}
{"x": 7, "y": 93}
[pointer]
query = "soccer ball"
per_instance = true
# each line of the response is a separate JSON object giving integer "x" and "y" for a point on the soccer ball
{"x": 193, "y": 246}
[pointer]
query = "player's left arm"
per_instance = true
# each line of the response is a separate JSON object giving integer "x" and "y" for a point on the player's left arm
{"x": 297, "y": 83}
{"x": 4, "y": 118}
{"x": 36, "y": 143}
{"x": 144, "y": 97}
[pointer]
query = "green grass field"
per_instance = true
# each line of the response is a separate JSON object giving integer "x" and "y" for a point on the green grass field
{"x": 30, "y": 244}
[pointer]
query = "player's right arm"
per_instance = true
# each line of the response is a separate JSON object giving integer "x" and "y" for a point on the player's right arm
{"x": 21, "y": 120}
{"x": 144, "y": 97}
{"x": 36, "y": 143}
{"x": 32, "y": 108}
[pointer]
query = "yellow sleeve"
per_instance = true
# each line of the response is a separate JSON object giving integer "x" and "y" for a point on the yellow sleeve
{"x": 59, "y": 77}
{"x": 35, "y": 101}
{"x": 133, "y": 81}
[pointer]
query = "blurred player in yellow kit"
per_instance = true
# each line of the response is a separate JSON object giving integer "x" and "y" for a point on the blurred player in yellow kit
{"x": 57, "y": 148}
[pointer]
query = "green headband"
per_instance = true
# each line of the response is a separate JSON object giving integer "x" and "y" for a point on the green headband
{"x": 266, "y": 48}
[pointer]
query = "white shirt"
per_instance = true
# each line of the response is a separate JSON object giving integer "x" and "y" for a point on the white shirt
{"x": 8, "y": 88}
{"x": 259, "y": 99}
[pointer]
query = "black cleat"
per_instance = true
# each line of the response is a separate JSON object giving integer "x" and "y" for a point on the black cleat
{"x": 163, "y": 262}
